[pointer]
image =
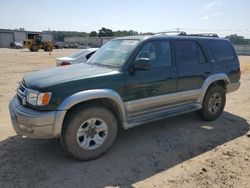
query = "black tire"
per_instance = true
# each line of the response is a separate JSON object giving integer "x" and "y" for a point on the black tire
{"x": 34, "y": 48}
{"x": 48, "y": 48}
{"x": 76, "y": 119}
{"x": 207, "y": 112}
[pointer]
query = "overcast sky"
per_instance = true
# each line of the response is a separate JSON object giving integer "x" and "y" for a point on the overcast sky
{"x": 220, "y": 16}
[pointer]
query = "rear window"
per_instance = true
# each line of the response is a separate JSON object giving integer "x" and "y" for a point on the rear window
{"x": 221, "y": 49}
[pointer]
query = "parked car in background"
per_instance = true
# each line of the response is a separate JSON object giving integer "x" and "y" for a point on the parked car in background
{"x": 73, "y": 45}
{"x": 58, "y": 45}
{"x": 80, "y": 56}
{"x": 16, "y": 45}
{"x": 66, "y": 45}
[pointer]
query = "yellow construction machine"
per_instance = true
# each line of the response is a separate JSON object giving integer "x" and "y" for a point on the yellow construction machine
{"x": 34, "y": 43}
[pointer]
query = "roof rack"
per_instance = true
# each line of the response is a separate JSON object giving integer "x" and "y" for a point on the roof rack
{"x": 199, "y": 34}
{"x": 183, "y": 33}
{"x": 170, "y": 31}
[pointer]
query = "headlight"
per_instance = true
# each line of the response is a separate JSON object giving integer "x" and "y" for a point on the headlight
{"x": 32, "y": 97}
{"x": 38, "y": 99}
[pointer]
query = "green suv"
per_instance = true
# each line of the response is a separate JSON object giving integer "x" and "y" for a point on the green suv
{"x": 128, "y": 82}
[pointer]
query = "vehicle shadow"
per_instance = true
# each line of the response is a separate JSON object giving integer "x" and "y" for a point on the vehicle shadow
{"x": 137, "y": 154}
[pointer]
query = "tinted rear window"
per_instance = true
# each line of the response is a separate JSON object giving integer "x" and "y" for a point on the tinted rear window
{"x": 221, "y": 49}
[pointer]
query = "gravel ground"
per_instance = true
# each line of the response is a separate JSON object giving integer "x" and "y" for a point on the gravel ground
{"x": 180, "y": 151}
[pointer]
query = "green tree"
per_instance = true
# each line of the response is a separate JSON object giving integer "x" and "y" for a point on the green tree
{"x": 236, "y": 39}
{"x": 120, "y": 33}
{"x": 93, "y": 34}
{"x": 103, "y": 32}
{"x": 147, "y": 33}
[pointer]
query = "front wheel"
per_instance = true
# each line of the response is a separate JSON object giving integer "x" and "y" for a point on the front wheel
{"x": 89, "y": 132}
{"x": 34, "y": 48}
{"x": 213, "y": 103}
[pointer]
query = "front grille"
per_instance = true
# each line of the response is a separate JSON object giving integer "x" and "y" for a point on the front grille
{"x": 22, "y": 88}
{"x": 19, "y": 99}
{"x": 21, "y": 93}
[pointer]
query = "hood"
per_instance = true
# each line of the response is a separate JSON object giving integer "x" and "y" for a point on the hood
{"x": 45, "y": 78}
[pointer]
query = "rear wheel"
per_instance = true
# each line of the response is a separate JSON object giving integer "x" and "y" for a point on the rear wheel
{"x": 48, "y": 48}
{"x": 89, "y": 132}
{"x": 213, "y": 103}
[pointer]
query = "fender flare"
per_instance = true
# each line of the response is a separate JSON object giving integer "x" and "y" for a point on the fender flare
{"x": 86, "y": 96}
{"x": 209, "y": 81}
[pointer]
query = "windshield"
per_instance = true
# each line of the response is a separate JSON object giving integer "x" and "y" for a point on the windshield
{"x": 78, "y": 53}
{"x": 113, "y": 53}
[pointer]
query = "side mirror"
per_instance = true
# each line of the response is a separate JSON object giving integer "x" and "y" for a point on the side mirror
{"x": 142, "y": 64}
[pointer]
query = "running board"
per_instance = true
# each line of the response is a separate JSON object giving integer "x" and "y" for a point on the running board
{"x": 162, "y": 113}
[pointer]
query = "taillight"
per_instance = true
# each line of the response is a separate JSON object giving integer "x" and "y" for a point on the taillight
{"x": 65, "y": 63}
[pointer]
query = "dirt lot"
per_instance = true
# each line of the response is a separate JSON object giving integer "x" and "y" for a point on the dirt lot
{"x": 181, "y": 151}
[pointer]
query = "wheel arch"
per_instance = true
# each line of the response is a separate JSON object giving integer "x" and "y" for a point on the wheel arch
{"x": 109, "y": 98}
{"x": 216, "y": 79}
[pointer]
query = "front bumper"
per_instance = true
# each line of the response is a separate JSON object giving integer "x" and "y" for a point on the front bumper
{"x": 32, "y": 123}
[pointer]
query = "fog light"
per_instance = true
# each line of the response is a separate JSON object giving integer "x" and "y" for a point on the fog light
{"x": 24, "y": 128}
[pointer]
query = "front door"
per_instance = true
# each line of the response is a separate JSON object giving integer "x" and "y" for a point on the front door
{"x": 147, "y": 89}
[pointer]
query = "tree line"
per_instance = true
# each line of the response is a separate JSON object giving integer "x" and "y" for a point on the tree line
{"x": 237, "y": 39}
{"x": 105, "y": 32}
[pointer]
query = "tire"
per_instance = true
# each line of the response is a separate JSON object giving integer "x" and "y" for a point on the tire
{"x": 34, "y": 48}
{"x": 79, "y": 138}
{"x": 213, "y": 103}
{"x": 48, "y": 48}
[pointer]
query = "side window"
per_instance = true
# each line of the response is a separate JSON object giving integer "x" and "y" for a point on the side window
{"x": 221, "y": 50}
{"x": 186, "y": 52}
{"x": 147, "y": 51}
{"x": 89, "y": 55}
{"x": 164, "y": 53}
{"x": 158, "y": 52}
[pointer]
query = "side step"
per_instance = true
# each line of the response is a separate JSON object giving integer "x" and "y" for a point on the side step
{"x": 162, "y": 113}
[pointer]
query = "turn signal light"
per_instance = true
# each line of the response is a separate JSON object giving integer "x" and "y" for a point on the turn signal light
{"x": 43, "y": 99}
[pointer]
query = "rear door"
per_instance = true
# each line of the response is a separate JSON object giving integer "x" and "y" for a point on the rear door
{"x": 192, "y": 68}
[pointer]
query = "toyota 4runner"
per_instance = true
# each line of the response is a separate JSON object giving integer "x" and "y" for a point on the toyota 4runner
{"x": 128, "y": 82}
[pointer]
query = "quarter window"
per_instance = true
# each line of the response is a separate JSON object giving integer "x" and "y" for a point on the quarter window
{"x": 221, "y": 50}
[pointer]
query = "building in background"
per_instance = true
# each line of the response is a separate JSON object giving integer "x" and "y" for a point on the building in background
{"x": 7, "y": 36}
